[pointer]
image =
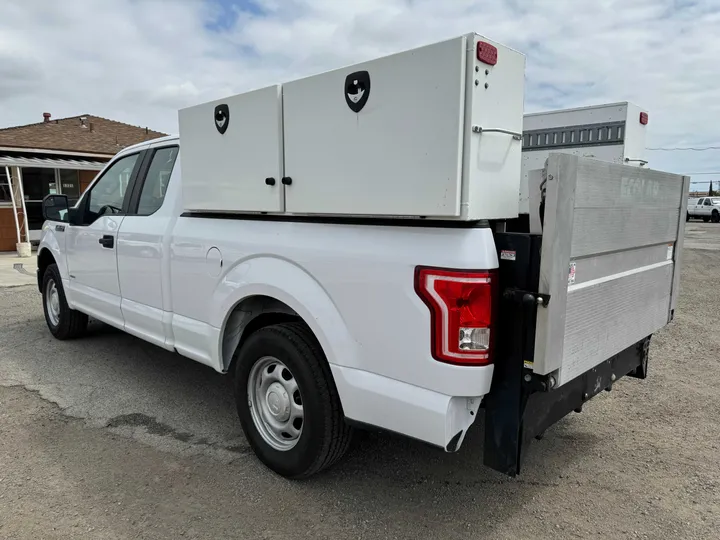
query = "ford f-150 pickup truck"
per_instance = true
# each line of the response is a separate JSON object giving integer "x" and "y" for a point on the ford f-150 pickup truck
{"x": 353, "y": 256}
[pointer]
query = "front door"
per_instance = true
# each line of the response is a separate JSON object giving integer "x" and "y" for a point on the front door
{"x": 91, "y": 243}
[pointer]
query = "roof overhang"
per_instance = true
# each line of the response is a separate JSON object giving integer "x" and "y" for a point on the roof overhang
{"x": 30, "y": 150}
{"x": 51, "y": 163}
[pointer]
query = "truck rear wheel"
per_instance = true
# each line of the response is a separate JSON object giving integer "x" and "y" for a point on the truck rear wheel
{"x": 287, "y": 401}
{"x": 63, "y": 322}
{"x": 715, "y": 216}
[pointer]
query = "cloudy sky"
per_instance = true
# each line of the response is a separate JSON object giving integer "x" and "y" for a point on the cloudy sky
{"x": 138, "y": 61}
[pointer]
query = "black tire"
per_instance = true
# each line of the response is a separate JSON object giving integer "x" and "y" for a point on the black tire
{"x": 715, "y": 216}
{"x": 71, "y": 323}
{"x": 325, "y": 437}
{"x": 687, "y": 217}
{"x": 706, "y": 219}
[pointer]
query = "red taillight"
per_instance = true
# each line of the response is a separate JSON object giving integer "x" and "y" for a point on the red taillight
{"x": 486, "y": 53}
{"x": 461, "y": 309}
{"x": 644, "y": 118}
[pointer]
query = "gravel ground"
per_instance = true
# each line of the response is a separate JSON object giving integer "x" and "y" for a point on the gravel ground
{"x": 109, "y": 437}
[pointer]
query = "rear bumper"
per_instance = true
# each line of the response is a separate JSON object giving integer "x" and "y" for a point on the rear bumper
{"x": 372, "y": 400}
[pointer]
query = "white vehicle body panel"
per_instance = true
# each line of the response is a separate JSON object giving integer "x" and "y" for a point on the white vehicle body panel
{"x": 177, "y": 280}
{"x": 92, "y": 269}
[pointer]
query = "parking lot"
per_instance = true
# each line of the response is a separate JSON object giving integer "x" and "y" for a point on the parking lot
{"x": 110, "y": 437}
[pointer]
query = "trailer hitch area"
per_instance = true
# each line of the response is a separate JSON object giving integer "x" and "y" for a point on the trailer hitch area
{"x": 526, "y": 298}
{"x": 533, "y": 382}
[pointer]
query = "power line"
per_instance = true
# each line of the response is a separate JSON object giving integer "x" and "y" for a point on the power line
{"x": 700, "y": 173}
{"x": 691, "y": 149}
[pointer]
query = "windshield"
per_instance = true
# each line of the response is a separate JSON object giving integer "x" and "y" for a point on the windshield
{"x": 716, "y": 201}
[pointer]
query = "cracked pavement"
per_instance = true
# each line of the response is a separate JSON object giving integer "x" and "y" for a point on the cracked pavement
{"x": 110, "y": 437}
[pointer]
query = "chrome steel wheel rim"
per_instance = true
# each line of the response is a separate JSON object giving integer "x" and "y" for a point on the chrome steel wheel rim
{"x": 275, "y": 403}
{"x": 52, "y": 302}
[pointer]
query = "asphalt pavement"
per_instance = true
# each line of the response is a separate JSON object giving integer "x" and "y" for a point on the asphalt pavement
{"x": 111, "y": 437}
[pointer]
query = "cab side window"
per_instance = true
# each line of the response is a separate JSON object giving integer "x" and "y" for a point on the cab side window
{"x": 108, "y": 193}
{"x": 707, "y": 202}
{"x": 156, "y": 180}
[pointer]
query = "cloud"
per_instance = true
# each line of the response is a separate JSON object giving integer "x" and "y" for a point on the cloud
{"x": 139, "y": 60}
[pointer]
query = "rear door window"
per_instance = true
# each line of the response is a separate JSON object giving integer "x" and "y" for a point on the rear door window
{"x": 157, "y": 180}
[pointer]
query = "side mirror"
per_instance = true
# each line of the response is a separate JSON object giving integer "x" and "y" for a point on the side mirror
{"x": 55, "y": 208}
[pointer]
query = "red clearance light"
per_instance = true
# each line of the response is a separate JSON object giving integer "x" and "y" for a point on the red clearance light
{"x": 644, "y": 118}
{"x": 486, "y": 53}
{"x": 461, "y": 311}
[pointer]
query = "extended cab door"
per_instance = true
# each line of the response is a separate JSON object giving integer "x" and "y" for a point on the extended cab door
{"x": 143, "y": 247}
{"x": 91, "y": 240}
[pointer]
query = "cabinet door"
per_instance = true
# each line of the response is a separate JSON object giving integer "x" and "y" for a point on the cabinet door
{"x": 231, "y": 148}
{"x": 379, "y": 138}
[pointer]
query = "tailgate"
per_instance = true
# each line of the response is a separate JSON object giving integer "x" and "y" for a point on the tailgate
{"x": 611, "y": 245}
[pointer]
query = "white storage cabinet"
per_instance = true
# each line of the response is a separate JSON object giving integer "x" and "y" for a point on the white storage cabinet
{"x": 231, "y": 153}
{"x": 432, "y": 132}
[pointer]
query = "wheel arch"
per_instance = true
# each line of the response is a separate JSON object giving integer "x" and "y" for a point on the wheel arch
{"x": 267, "y": 290}
{"x": 45, "y": 258}
{"x": 248, "y": 316}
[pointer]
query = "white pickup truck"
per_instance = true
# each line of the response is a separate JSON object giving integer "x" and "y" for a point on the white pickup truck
{"x": 705, "y": 208}
{"x": 353, "y": 255}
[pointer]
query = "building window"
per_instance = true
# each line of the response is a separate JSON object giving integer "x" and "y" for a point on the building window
{"x": 5, "y": 196}
{"x": 37, "y": 183}
{"x": 70, "y": 184}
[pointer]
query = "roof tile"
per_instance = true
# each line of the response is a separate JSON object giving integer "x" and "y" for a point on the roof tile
{"x": 94, "y": 135}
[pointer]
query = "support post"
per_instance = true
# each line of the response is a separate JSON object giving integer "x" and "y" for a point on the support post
{"x": 19, "y": 211}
